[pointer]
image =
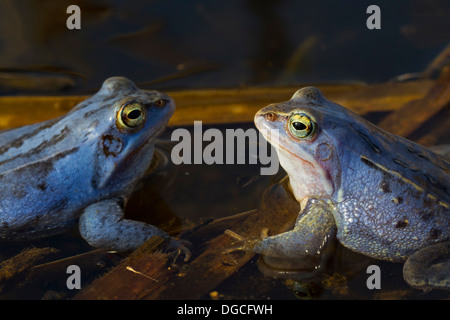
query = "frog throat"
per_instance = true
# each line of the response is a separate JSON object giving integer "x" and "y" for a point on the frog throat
{"x": 307, "y": 179}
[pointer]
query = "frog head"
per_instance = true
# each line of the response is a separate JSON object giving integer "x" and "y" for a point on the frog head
{"x": 305, "y": 143}
{"x": 120, "y": 124}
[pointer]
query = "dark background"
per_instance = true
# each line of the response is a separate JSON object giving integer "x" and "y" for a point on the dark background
{"x": 213, "y": 43}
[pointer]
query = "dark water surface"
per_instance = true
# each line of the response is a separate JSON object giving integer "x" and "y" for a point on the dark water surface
{"x": 192, "y": 44}
{"x": 198, "y": 44}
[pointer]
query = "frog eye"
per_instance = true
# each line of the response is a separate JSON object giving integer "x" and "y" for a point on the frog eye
{"x": 301, "y": 125}
{"x": 132, "y": 115}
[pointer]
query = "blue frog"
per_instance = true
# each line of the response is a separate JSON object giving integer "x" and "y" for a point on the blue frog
{"x": 377, "y": 193}
{"x": 83, "y": 166}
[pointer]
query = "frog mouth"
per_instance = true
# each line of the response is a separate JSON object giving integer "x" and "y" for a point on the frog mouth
{"x": 159, "y": 130}
{"x": 151, "y": 139}
{"x": 268, "y": 132}
{"x": 280, "y": 148}
{"x": 157, "y": 133}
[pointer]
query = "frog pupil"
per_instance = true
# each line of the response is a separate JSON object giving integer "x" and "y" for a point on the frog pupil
{"x": 134, "y": 114}
{"x": 299, "y": 125}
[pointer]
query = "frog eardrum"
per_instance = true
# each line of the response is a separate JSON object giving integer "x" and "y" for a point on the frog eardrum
{"x": 301, "y": 125}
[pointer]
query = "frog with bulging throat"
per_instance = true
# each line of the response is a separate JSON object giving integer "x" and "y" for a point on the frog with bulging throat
{"x": 84, "y": 166}
{"x": 380, "y": 194}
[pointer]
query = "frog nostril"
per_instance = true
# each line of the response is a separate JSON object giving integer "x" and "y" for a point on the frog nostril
{"x": 160, "y": 103}
{"x": 270, "y": 116}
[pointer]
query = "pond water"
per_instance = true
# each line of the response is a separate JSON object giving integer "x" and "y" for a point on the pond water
{"x": 198, "y": 44}
{"x": 220, "y": 44}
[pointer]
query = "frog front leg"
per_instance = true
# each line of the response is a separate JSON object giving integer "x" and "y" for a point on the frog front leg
{"x": 429, "y": 267}
{"x": 313, "y": 229}
{"x": 102, "y": 225}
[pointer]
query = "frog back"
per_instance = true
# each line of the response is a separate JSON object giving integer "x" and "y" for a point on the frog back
{"x": 40, "y": 167}
{"x": 48, "y": 169}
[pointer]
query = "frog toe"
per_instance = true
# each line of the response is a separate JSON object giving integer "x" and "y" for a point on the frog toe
{"x": 429, "y": 268}
{"x": 178, "y": 248}
{"x": 247, "y": 244}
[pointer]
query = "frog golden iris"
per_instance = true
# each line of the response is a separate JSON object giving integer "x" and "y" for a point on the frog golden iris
{"x": 301, "y": 125}
{"x": 132, "y": 115}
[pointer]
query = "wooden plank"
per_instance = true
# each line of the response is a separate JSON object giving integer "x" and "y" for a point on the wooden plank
{"x": 133, "y": 277}
{"x": 22, "y": 262}
{"x": 413, "y": 114}
{"x": 209, "y": 266}
{"x": 436, "y": 132}
{"x": 224, "y": 105}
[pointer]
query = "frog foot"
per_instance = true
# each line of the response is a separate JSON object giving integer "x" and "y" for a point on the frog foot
{"x": 178, "y": 248}
{"x": 428, "y": 268}
{"x": 247, "y": 243}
